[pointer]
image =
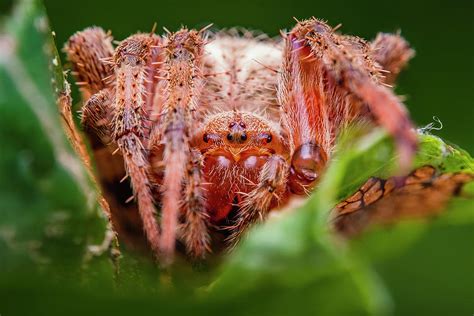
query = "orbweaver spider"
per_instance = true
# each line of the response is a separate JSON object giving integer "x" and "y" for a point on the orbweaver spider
{"x": 220, "y": 129}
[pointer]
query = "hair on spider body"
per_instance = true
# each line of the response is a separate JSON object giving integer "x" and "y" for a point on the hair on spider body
{"x": 220, "y": 132}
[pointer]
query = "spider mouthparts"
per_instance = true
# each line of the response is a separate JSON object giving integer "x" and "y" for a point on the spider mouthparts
{"x": 235, "y": 152}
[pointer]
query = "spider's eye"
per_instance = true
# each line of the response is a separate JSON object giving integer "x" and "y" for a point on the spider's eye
{"x": 265, "y": 138}
{"x": 243, "y": 137}
{"x": 205, "y": 138}
{"x": 230, "y": 137}
{"x": 269, "y": 138}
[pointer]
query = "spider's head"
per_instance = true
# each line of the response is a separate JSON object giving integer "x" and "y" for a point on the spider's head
{"x": 235, "y": 146}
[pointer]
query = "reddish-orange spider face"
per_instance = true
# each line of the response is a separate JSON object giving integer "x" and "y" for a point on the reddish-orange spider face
{"x": 235, "y": 146}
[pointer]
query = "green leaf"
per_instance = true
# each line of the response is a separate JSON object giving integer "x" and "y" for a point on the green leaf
{"x": 427, "y": 263}
{"x": 48, "y": 210}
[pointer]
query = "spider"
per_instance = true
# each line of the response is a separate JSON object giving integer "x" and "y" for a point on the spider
{"x": 215, "y": 130}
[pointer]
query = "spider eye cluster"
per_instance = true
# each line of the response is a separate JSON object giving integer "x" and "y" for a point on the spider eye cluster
{"x": 240, "y": 124}
{"x": 237, "y": 137}
{"x": 237, "y": 132}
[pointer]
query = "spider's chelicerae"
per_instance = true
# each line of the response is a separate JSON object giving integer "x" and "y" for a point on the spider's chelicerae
{"x": 217, "y": 129}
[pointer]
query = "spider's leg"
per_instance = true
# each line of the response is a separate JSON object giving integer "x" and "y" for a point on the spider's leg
{"x": 96, "y": 114}
{"x": 194, "y": 231}
{"x": 392, "y": 52}
{"x": 90, "y": 52}
{"x": 423, "y": 193}
{"x": 329, "y": 80}
{"x": 270, "y": 188}
{"x": 182, "y": 74}
{"x": 132, "y": 63}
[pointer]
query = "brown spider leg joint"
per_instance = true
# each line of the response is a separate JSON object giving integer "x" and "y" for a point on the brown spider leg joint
{"x": 307, "y": 163}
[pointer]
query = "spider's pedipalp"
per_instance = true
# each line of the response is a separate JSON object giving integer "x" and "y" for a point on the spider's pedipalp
{"x": 195, "y": 232}
{"x": 270, "y": 189}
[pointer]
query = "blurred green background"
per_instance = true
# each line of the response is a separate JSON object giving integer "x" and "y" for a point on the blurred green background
{"x": 416, "y": 267}
{"x": 439, "y": 81}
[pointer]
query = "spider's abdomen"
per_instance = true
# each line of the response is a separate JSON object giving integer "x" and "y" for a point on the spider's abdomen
{"x": 241, "y": 73}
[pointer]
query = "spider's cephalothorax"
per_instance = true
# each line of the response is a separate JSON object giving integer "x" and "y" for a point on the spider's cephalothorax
{"x": 219, "y": 132}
